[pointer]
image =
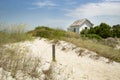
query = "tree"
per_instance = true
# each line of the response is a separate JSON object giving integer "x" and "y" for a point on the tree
{"x": 104, "y": 30}
{"x": 116, "y": 31}
{"x": 91, "y": 31}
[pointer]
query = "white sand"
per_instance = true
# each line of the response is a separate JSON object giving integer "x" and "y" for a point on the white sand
{"x": 70, "y": 66}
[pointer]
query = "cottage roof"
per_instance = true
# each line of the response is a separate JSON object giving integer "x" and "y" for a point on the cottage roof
{"x": 80, "y": 22}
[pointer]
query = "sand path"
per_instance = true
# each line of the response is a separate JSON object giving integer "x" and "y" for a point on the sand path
{"x": 70, "y": 66}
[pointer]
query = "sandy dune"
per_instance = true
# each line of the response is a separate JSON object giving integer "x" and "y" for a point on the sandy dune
{"x": 72, "y": 63}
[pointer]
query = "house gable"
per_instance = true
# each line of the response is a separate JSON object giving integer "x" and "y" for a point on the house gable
{"x": 85, "y": 25}
{"x": 79, "y": 25}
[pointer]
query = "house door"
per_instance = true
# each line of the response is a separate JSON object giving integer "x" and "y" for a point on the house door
{"x": 74, "y": 29}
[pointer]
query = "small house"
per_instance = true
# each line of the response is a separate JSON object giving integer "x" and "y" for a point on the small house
{"x": 79, "y": 25}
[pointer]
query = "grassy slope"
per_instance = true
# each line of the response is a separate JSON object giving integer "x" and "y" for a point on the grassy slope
{"x": 13, "y": 33}
{"x": 58, "y": 34}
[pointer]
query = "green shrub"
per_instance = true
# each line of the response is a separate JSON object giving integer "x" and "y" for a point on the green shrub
{"x": 94, "y": 36}
{"x": 84, "y": 31}
{"x": 116, "y": 31}
{"x": 103, "y": 30}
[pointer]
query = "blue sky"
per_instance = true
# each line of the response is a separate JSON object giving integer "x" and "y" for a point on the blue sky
{"x": 59, "y": 13}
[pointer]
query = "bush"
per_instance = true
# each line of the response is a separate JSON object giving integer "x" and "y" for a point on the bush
{"x": 116, "y": 31}
{"x": 103, "y": 30}
{"x": 94, "y": 36}
{"x": 84, "y": 31}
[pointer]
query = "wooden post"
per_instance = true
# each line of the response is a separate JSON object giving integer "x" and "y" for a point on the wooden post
{"x": 53, "y": 53}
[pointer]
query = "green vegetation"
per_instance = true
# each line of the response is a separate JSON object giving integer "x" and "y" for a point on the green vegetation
{"x": 116, "y": 30}
{"x": 56, "y": 34}
{"x": 42, "y": 31}
{"x": 92, "y": 36}
{"x": 13, "y": 33}
{"x": 79, "y": 41}
{"x": 103, "y": 30}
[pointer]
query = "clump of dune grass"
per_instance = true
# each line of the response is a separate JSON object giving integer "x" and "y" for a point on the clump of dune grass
{"x": 100, "y": 49}
{"x": 112, "y": 42}
{"x": 13, "y": 33}
{"x": 12, "y": 61}
{"x": 93, "y": 45}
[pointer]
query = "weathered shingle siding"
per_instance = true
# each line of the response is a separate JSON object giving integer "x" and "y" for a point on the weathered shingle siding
{"x": 72, "y": 29}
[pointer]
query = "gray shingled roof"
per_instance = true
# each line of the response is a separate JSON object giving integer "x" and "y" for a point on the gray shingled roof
{"x": 80, "y": 22}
